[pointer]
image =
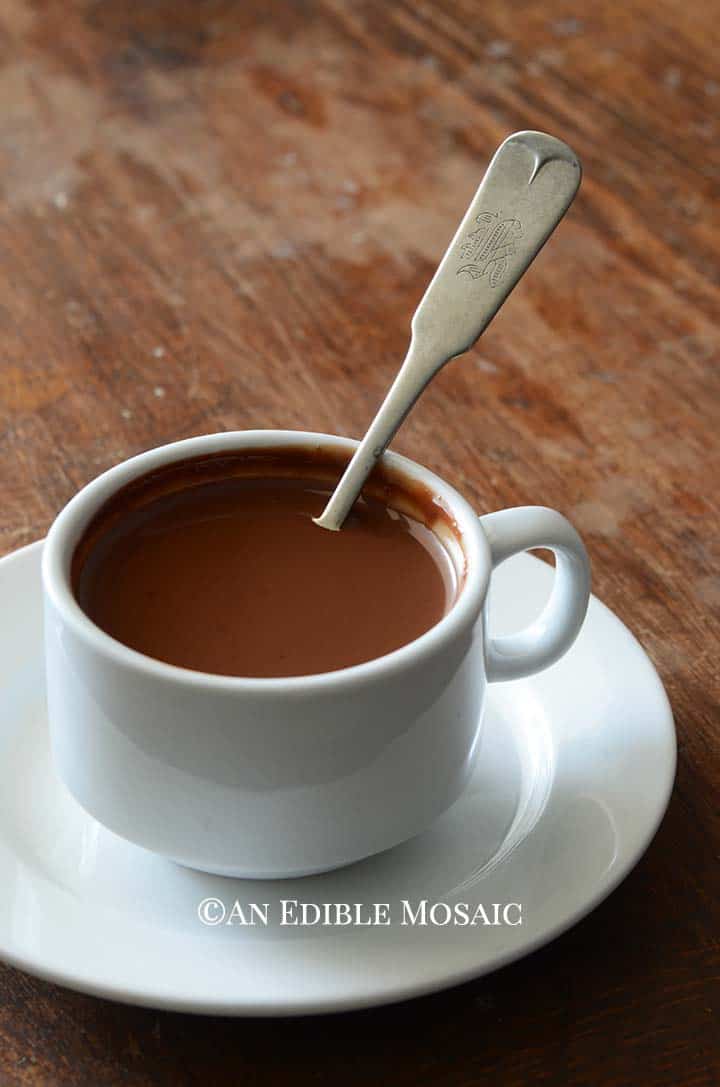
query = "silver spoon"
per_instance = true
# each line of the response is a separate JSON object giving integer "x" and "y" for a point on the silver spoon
{"x": 528, "y": 187}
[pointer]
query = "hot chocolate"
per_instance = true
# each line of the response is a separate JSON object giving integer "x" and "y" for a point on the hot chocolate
{"x": 215, "y": 564}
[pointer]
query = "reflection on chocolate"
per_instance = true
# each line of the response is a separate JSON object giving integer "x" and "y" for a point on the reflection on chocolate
{"x": 215, "y": 564}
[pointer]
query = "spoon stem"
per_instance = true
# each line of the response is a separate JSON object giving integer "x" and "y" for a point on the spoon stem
{"x": 400, "y": 398}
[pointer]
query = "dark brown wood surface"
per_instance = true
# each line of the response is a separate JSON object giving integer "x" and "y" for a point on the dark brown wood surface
{"x": 219, "y": 215}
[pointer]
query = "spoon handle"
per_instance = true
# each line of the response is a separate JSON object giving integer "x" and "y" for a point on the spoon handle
{"x": 529, "y": 185}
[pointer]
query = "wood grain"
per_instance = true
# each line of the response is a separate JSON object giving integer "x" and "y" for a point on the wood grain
{"x": 218, "y": 215}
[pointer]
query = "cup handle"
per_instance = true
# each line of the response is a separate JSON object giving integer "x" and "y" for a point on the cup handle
{"x": 553, "y": 632}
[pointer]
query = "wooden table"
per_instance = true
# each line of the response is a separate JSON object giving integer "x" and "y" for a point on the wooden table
{"x": 220, "y": 215}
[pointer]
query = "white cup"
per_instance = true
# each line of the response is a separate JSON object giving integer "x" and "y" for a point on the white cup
{"x": 289, "y": 776}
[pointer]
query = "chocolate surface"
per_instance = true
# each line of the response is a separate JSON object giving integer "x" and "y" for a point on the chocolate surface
{"x": 215, "y": 564}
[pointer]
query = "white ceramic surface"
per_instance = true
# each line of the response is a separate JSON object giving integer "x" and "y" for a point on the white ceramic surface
{"x": 577, "y": 767}
{"x": 285, "y": 777}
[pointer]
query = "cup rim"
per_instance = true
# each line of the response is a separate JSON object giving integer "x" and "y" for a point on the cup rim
{"x": 70, "y": 523}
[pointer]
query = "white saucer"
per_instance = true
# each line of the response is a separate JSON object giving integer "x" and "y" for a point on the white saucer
{"x": 574, "y": 776}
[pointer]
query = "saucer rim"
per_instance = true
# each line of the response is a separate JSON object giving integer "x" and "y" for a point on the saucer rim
{"x": 234, "y": 1007}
